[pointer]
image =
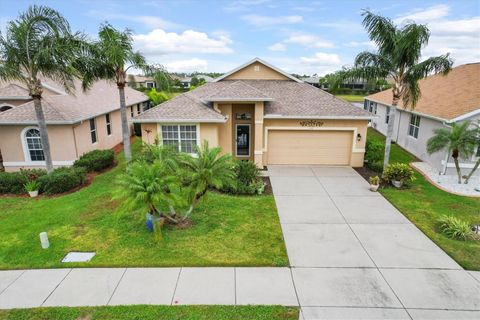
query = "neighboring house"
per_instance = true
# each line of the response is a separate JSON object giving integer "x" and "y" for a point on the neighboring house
{"x": 204, "y": 77}
{"x": 314, "y": 81}
{"x": 444, "y": 100}
{"x": 260, "y": 113}
{"x": 143, "y": 81}
{"x": 76, "y": 123}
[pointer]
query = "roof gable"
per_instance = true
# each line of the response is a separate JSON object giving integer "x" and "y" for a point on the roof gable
{"x": 256, "y": 69}
{"x": 238, "y": 91}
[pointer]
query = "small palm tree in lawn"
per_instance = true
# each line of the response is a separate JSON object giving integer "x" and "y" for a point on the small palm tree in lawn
{"x": 112, "y": 57}
{"x": 208, "y": 168}
{"x": 459, "y": 141}
{"x": 398, "y": 56}
{"x": 477, "y": 164}
{"x": 37, "y": 45}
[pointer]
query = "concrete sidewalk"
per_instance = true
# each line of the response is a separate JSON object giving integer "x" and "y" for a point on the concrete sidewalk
{"x": 352, "y": 255}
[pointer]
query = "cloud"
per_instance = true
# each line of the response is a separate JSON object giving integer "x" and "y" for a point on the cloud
{"x": 277, "y": 47}
{"x": 188, "y": 65}
{"x": 147, "y": 21}
{"x": 322, "y": 59}
{"x": 160, "y": 42}
{"x": 356, "y": 44}
{"x": 266, "y": 21}
{"x": 422, "y": 16}
{"x": 241, "y": 5}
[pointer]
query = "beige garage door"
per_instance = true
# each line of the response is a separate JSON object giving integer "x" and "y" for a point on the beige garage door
{"x": 309, "y": 147}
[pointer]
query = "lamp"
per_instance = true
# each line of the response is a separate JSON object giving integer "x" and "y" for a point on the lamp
{"x": 359, "y": 137}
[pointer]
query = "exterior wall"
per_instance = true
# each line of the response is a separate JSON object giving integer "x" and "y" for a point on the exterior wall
{"x": 149, "y": 132}
{"x": 249, "y": 73}
{"x": 225, "y": 130}
{"x": 210, "y": 132}
{"x": 418, "y": 146}
{"x": 258, "y": 145}
{"x": 356, "y": 126}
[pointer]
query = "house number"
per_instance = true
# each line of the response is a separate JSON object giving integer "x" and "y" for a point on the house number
{"x": 311, "y": 123}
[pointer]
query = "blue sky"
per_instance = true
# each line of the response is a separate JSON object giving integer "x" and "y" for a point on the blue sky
{"x": 297, "y": 36}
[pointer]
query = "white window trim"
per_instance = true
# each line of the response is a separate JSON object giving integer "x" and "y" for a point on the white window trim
{"x": 108, "y": 123}
{"x": 26, "y": 151}
{"x": 149, "y": 82}
{"x": 197, "y": 128}
{"x": 90, "y": 130}
{"x": 410, "y": 124}
{"x": 249, "y": 140}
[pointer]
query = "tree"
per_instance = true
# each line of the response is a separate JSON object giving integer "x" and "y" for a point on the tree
{"x": 131, "y": 81}
{"x": 477, "y": 164}
{"x": 111, "y": 58}
{"x": 398, "y": 56}
{"x": 40, "y": 45}
{"x": 459, "y": 141}
{"x": 163, "y": 80}
{"x": 157, "y": 97}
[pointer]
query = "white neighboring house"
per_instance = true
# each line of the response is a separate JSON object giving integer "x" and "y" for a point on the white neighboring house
{"x": 444, "y": 100}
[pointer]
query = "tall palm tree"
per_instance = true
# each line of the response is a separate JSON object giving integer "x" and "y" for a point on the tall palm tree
{"x": 39, "y": 44}
{"x": 112, "y": 57}
{"x": 459, "y": 141}
{"x": 398, "y": 56}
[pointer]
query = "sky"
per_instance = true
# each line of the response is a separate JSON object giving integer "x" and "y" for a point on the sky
{"x": 303, "y": 37}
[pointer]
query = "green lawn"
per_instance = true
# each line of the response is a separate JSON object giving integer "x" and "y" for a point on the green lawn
{"x": 154, "y": 313}
{"x": 423, "y": 204}
{"x": 227, "y": 231}
{"x": 351, "y": 97}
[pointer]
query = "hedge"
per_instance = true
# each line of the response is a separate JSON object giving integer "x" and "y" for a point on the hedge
{"x": 14, "y": 182}
{"x": 62, "y": 180}
{"x": 95, "y": 160}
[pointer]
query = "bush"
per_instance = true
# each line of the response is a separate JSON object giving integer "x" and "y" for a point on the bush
{"x": 95, "y": 160}
{"x": 375, "y": 166}
{"x": 374, "y": 180}
{"x": 32, "y": 185}
{"x": 374, "y": 151}
{"x": 455, "y": 228}
{"x": 12, "y": 182}
{"x": 33, "y": 174}
{"x": 399, "y": 172}
{"x": 62, "y": 180}
{"x": 248, "y": 179}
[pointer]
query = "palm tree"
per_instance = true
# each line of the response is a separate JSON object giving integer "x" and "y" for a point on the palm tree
{"x": 38, "y": 45}
{"x": 398, "y": 56}
{"x": 459, "y": 141}
{"x": 112, "y": 57}
{"x": 477, "y": 164}
{"x": 207, "y": 169}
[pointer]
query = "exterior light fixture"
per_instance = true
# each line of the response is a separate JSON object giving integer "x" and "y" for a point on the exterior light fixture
{"x": 359, "y": 137}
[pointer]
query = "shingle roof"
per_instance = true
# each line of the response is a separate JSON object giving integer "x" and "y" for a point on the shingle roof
{"x": 13, "y": 90}
{"x": 239, "y": 91}
{"x": 289, "y": 99}
{"x": 66, "y": 108}
{"x": 445, "y": 97}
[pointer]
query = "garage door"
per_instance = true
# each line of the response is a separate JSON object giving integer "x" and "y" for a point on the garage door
{"x": 309, "y": 147}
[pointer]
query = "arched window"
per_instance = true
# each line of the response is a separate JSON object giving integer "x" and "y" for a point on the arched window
{"x": 33, "y": 144}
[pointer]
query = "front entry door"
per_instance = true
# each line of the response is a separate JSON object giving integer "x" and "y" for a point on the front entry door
{"x": 242, "y": 139}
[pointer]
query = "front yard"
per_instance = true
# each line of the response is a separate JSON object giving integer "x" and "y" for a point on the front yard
{"x": 227, "y": 231}
{"x": 423, "y": 204}
{"x": 351, "y": 97}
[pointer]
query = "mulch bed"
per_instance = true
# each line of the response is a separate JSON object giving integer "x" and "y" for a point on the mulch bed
{"x": 366, "y": 173}
{"x": 268, "y": 185}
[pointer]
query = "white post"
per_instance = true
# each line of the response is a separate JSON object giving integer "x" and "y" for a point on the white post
{"x": 44, "y": 240}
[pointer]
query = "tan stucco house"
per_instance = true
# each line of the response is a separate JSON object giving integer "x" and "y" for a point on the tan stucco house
{"x": 76, "y": 123}
{"x": 260, "y": 113}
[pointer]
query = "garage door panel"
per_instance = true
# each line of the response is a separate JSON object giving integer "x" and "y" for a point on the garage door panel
{"x": 309, "y": 147}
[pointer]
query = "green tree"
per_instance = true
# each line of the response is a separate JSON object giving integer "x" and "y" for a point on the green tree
{"x": 40, "y": 45}
{"x": 459, "y": 141}
{"x": 157, "y": 97}
{"x": 131, "y": 81}
{"x": 112, "y": 57}
{"x": 398, "y": 56}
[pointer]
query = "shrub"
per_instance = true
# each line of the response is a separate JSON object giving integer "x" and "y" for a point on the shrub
{"x": 373, "y": 151}
{"x": 374, "y": 180}
{"x": 399, "y": 172}
{"x": 12, "y": 182}
{"x": 95, "y": 160}
{"x": 32, "y": 185}
{"x": 375, "y": 166}
{"x": 455, "y": 228}
{"x": 33, "y": 174}
{"x": 248, "y": 179}
{"x": 62, "y": 180}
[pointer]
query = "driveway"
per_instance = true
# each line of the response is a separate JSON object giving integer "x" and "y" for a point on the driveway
{"x": 354, "y": 255}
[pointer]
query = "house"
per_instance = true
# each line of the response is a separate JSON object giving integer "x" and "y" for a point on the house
{"x": 204, "y": 77}
{"x": 314, "y": 81}
{"x": 141, "y": 81}
{"x": 260, "y": 113}
{"x": 444, "y": 100}
{"x": 76, "y": 123}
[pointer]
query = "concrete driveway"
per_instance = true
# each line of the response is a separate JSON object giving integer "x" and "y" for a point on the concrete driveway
{"x": 354, "y": 256}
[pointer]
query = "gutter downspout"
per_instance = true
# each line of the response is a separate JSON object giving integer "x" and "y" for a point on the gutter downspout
{"x": 75, "y": 140}
{"x": 399, "y": 122}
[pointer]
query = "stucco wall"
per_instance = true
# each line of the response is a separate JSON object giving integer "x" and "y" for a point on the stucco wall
{"x": 210, "y": 132}
{"x": 263, "y": 73}
{"x": 149, "y": 132}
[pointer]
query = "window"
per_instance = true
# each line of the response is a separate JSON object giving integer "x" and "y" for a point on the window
{"x": 93, "y": 130}
{"x": 373, "y": 107}
{"x": 131, "y": 111}
{"x": 414, "y": 125}
{"x": 365, "y": 104}
{"x": 387, "y": 116}
{"x": 243, "y": 116}
{"x": 150, "y": 84}
{"x": 34, "y": 145}
{"x": 184, "y": 137}
{"x": 139, "y": 109}
{"x": 478, "y": 151}
{"x": 256, "y": 68}
{"x": 109, "y": 124}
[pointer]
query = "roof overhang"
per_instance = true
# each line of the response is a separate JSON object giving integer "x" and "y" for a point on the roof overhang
{"x": 465, "y": 116}
{"x": 280, "y": 116}
{"x": 246, "y": 99}
{"x": 15, "y": 98}
{"x": 166, "y": 120}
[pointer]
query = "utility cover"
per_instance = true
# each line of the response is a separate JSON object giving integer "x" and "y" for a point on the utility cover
{"x": 78, "y": 257}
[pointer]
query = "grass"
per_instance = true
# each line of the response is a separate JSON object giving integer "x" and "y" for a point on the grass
{"x": 351, "y": 97}
{"x": 424, "y": 204}
{"x": 227, "y": 231}
{"x": 153, "y": 313}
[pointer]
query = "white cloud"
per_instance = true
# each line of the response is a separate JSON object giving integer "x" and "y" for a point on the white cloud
{"x": 160, "y": 42}
{"x": 277, "y": 47}
{"x": 322, "y": 59}
{"x": 240, "y": 5}
{"x": 188, "y": 65}
{"x": 425, "y": 15}
{"x": 147, "y": 21}
{"x": 265, "y": 21}
{"x": 356, "y": 44}
{"x": 309, "y": 40}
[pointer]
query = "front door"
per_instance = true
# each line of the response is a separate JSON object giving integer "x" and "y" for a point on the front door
{"x": 242, "y": 139}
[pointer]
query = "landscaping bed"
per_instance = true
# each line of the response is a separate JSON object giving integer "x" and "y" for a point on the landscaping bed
{"x": 226, "y": 230}
{"x": 424, "y": 204}
{"x": 149, "y": 312}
